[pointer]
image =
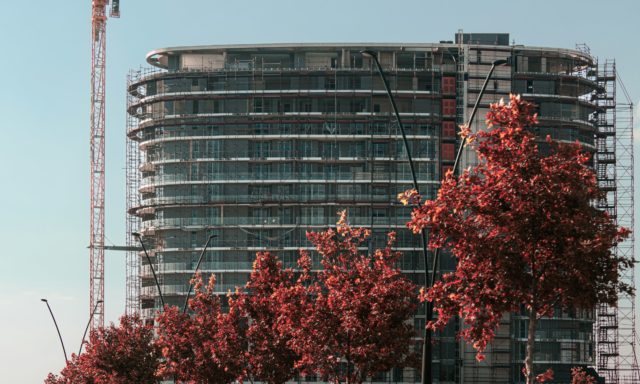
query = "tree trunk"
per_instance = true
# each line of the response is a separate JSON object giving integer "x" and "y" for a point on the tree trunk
{"x": 531, "y": 339}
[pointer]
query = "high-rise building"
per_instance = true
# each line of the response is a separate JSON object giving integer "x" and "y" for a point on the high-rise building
{"x": 257, "y": 144}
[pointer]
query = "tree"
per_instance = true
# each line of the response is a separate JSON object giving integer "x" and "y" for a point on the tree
{"x": 206, "y": 347}
{"x": 75, "y": 372}
{"x": 114, "y": 355}
{"x": 524, "y": 229}
{"x": 580, "y": 376}
{"x": 357, "y": 324}
{"x": 272, "y": 295}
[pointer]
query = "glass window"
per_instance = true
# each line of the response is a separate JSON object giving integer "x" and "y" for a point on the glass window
{"x": 380, "y": 149}
{"x": 448, "y": 85}
{"x": 447, "y": 151}
{"x": 448, "y": 129}
{"x": 449, "y": 107}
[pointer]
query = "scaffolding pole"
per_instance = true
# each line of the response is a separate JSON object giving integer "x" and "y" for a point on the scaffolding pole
{"x": 627, "y": 338}
{"x": 132, "y": 305}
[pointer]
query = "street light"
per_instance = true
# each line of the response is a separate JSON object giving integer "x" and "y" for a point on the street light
{"x": 426, "y": 375}
{"x": 456, "y": 163}
{"x": 139, "y": 237}
{"x": 95, "y": 308}
{"x": 495, "y": 64}
{"x": 426, "y": 345}
{"x": 186, "y": 300}
{"x": 57, "y": 329}
{"x": 374, "y": 57}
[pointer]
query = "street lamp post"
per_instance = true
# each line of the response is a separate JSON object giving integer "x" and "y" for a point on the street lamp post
{"x": 463, "y": 141}
{"x": 186, "y": 300}
{"x": 495, "y": 64}
{"x": 426, "y": 345}
{"x": 95, "y": 308}
{"x": 456, "y": 163}
{"x": 139, "y": 237}
{"x": 57, "y": 329}
{"x": 426, "y": 375}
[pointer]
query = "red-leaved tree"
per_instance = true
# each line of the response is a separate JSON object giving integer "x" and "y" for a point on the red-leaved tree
{"x": 273, "y": 296}
{"x": 77, "y": 371}
{"x": 580, "y": 376}
{"x": 357, "y": 324}
{"x": 114, "y": 355}
{"x": 524, "y": 229}
{"x": 206, "y": 347}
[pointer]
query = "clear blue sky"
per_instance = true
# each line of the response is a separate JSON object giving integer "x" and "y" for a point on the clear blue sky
{"x": 44, "y": 125}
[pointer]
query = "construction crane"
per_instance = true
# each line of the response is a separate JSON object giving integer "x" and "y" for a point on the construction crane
{"x": 96, "y": 240}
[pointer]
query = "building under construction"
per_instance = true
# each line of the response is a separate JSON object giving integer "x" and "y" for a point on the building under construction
{"x": 257, "y": 144}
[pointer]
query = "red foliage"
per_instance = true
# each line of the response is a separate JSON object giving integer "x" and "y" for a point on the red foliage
{"x": 523, "y": 229}
{"x": 273, "y": 296}
{"x": 77, "y": 371}
{"x": 579, "y": 376}
{"x": 204, "y": 348}
{"x": 544, "y": 377}
{"x": 114, "y": 355}
{"x": 357, "y": 323}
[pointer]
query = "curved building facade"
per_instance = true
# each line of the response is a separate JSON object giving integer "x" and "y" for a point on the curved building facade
{"x": 257, "y": 144}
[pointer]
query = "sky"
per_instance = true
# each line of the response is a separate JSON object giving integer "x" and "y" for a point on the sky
{"x": 44, "y": 121}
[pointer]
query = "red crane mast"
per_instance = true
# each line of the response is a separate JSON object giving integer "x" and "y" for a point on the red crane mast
{"x": 97, "y": 156}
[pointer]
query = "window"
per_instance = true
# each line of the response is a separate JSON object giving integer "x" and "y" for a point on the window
{"x": 379, "y": 191}
{"x": 257, "y": 105}
{"x": 448, "y": 129}
{"x": 449, "y": 107}
{"x": 213, "y": 169}
{"x": 195, "y": 171}
{"x": 448, "y": 85}
{"x": 261, "y": 149}
{"x": 356, "y": 149}
{"x": 313, "y": 191}
{"x": 305, "y": 106}
{"x": 423, "y": 105}
{"x": 379, "y": 215}
{"x": 260, "y": 190}
{"x": 260, "y": 215}
{"x": 306, "y": 149}
{"x": 380, "y": 171}
{"x": 151, "y": 88}
{"x": 447, "y": 151}
{"x": 535, "y": 64}
{"x": 285, "y": 148}
{"x": 380, "y": 149}
{"x": 426, "y": 130}
{"x": 261, "y": 128}
{"x": 213, "y": 191}
{"x": 260, "y": 171}
{"x": 313, "y": 215}
{"x": 346, "y": 191}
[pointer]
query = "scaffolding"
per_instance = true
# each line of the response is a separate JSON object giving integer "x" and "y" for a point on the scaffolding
{"x": 615, "y": 334}
{"x": 132, "y": 301}
{"x": 627, "y": 338}
{"x": 605, "y": 164}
